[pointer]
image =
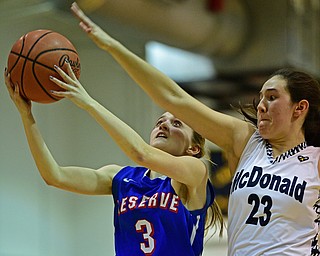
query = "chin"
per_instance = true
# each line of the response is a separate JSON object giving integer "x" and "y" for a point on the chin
{"x": 164, "y": 148}
{"x": 158, "y": 146}
{"x": 264, "y": 134}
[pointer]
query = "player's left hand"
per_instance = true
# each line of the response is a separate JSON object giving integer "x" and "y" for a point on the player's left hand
{"x": 98, "y": 36}
{"x": 23, "y": 105}
{"x": 73, "y": 89}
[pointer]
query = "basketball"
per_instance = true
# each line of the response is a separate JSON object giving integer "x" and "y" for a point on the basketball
{"x": 31, "y": 62}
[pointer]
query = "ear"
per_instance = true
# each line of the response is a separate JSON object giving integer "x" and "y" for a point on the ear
{"x": 193, "y": 150}
{"x": 301, "y": 108}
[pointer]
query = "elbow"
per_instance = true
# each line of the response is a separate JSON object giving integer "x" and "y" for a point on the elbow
{"x": 50, "y": 180}
{"x": 53, "y": 183}
{"x": 140, "y": 155}
{"x": 174, "y": 100}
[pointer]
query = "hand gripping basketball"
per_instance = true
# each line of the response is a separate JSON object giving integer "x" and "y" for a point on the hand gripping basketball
{"x": 31, "y": 62}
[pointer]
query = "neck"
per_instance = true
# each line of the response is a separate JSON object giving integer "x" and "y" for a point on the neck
{"x": 281, "y": 146}
{"x": 152, "y": 174}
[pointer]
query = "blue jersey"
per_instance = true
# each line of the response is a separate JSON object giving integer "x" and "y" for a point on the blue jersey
{"x": 150, "y": 219}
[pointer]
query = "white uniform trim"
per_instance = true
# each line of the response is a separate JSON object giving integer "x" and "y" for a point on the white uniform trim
{"x": 271, "y": 205}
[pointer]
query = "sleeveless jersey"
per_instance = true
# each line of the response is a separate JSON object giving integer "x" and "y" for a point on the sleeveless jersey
{"x": 272, "y": 205}
{"x": 150, "y": 219}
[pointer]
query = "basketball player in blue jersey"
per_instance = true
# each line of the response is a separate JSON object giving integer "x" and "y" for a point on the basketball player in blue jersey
{"x": 160, "y": 208}
{"x": 273, "y": 154}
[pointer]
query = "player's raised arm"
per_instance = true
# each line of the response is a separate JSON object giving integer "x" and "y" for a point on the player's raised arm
{"x": 181, "y": 169}
{"x": 76, "y": 179}
{"x": 221, "y": 129}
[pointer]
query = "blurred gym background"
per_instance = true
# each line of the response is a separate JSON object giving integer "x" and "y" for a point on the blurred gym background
{"x": 220, "y": 51}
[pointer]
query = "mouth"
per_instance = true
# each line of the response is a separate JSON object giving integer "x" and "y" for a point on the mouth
{"x": 161, "y": 135}
{"x": 263, "y": 122}
{"x": 263, "y": 119}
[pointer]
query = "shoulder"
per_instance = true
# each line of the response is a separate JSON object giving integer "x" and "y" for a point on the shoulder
{"x": 109, "y": 171}
{"x": 189, "y": 170}
{"x": 318, "y": 151}
{"x": 246, "y": 142}
{"x": 314, "y": 153}
{"x": 129, "y": 171}
{"x": 111, "y": 168}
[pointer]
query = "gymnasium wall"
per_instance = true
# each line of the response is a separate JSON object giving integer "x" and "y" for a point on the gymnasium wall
{"x": 38, "y": 220}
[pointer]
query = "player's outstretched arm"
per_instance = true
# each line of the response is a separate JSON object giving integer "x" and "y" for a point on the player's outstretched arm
{"x": 229, "y": 133}
{"x": 75, "y": 179}
{"x": 181, "y": 169}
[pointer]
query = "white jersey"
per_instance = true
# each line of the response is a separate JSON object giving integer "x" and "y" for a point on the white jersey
{"x": 272, "y": 207}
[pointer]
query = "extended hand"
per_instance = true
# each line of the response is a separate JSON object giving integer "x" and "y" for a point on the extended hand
{"x": 100, "y": 37}
{"x": 22, "y": 104}
{"x": 73, "y": 89}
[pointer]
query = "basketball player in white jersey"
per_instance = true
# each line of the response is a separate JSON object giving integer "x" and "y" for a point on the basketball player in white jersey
{"x": 273, "y": 155}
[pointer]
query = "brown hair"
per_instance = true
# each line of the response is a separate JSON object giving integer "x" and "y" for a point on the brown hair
{"x": 300, "y": 85}
{"x": 214, "y": 216}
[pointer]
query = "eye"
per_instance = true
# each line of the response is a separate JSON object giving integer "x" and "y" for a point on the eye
{"x": 177, "y": 123}
{"x": 158, "y": 123}
{"x": 272, "y": 97}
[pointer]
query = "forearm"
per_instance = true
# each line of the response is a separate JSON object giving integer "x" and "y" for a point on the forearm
{"x": 47, "y": 166}
{"x": 163, "y": 90}
{"x": 72, "y": 178}
{"x": 217, "y": 127}
{"x": 126, "y": 138}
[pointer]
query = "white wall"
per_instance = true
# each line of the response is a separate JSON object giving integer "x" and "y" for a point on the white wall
{"x": 38, "y": 220}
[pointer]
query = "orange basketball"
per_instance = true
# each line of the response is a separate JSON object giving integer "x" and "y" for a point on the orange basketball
{"x": 31, "y": 62}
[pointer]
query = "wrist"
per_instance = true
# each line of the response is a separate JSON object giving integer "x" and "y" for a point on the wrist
{"x": 112, "y": 46}
{"x": 91, "y": 105}
{"x": 27, "y": 117}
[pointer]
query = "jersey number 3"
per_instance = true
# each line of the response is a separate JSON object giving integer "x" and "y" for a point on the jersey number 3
{"x": 146, "y": 228}
{"x": 255, "y": 201}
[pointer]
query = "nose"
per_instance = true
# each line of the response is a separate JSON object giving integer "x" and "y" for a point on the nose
{"x": 262, "y": 106}
{"x": 164, "y": 126}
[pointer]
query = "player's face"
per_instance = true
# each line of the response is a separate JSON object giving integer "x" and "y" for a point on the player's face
{"x": 275, "y": 109}
{"x": 171, "y": 135}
